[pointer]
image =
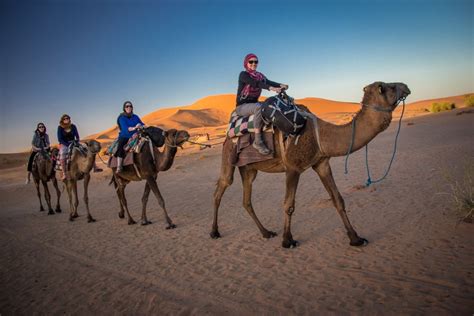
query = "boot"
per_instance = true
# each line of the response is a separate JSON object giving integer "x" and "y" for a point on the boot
{"x": 28, "y": 177}
{"x": 259, "y": 144}
{"x": 64, "y": 169}
{"x": 119, "y": 164}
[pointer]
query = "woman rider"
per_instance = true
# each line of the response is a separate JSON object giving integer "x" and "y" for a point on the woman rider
{"x": 251, "y": 83}
{"x": 39, "y": 143}
{"x": 128, "y": 124}
{"x": 67, "y": 134}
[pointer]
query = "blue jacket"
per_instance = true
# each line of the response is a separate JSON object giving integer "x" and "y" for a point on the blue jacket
{"x": 124, "y": 123}
{"x": 67, "y": 138}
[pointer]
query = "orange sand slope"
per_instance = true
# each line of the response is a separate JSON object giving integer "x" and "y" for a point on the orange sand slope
{"x": 214, "y": 111}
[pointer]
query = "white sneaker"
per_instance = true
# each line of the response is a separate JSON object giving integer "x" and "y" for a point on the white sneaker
{"x": 27, "y": 181}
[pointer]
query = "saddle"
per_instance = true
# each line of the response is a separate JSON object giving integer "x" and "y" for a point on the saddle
{"x": 134, "y": 145}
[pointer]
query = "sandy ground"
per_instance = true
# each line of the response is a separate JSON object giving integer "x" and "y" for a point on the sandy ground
{"x": 418, "y": 261}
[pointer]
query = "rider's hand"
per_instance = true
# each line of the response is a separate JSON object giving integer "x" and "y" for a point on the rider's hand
{"x": 275, "y": 89}
{"x": 284, "y": 86}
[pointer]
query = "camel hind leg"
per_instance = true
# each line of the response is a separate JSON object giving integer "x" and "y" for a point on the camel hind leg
{"x": 323, "y": 169}
{"x": 58, "y": 195}
{"x": 123, "y": 201}
{"x": 248, "y": 176}
{"x": 38, "y": 192}
{"x": 47, "y": 197}
{"x": 87, "y": 178}
{"x": 225, "y": 180}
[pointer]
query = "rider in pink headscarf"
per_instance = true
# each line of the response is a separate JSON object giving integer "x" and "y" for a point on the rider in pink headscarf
{"x": 251, "y": 83}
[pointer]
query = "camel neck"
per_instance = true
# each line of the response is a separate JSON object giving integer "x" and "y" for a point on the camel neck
{"x": 165, "y": 159}
{"x": 336, "y": 139}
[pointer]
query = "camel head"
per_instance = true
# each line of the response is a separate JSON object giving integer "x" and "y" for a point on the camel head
{"x": 93, "y": 145}
{"x": 385, "y": 96}
{"x": 55, "y": 153}
{"x": 176, "y": 138}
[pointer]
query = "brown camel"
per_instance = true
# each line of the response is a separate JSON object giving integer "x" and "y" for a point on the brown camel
{"x": 314, "y": 149}
{"x": 43, "y": 170}
{"x": 79, "y": 168}
{"x": 148, "y": 162}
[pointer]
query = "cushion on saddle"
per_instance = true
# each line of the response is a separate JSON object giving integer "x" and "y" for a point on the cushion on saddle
{"x": 128, "y": 160}
{"x": 240, "y": 125}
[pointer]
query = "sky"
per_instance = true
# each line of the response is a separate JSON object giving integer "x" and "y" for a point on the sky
{"x": 85, "y": 58}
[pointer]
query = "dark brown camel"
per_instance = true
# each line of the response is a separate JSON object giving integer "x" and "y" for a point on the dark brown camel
{"x": 80, "y": 168}
{"x": 43, "y": 170}
{"x": 148, "y": 163}
{"x": 314, "y": 149}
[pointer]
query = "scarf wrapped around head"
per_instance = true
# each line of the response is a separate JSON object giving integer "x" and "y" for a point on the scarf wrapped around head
{"x": 249, "y": 91}
{"x": 124, "y": 113}
{"x": 40, "y": 133}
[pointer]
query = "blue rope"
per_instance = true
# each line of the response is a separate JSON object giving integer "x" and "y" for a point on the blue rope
{"x": 350, "y": 146}
{"x": 369, "y": 180}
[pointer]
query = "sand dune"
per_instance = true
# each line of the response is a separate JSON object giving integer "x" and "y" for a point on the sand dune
{"x": 214, "y": 111}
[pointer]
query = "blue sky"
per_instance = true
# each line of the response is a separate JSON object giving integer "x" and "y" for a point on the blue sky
{"x": 85, "y": 58}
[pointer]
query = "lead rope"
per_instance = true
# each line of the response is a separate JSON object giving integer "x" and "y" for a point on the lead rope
{"x": 369, "y": 180}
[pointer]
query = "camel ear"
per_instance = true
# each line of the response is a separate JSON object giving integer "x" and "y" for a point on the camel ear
{"x": 381, "y": 89}
{"x": 365, "y": 88}
{"x": 165, "y": 133}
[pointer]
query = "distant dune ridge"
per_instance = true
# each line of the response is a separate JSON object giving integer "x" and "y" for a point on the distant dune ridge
{"x": 214, "y": 111}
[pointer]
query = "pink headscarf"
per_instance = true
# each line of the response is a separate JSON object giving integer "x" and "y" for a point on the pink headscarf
{"x": 248, "y": 90}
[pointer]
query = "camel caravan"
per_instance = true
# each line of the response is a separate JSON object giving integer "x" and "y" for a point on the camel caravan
{"x": 292, "y": 154}
{"x": 275, "y": 136}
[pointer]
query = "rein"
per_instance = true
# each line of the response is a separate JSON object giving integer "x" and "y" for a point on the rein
{"x": 376, "y": 108}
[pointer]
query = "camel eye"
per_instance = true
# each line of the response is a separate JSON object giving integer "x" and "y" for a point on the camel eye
{"x": 381, "y": 90}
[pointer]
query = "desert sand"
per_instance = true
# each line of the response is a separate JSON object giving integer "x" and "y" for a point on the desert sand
{"x": 419, "y": 259}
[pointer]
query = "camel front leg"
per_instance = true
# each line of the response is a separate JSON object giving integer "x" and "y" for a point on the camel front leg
{"x": 146, "y": 194}
{"x": 248, "y": 176}
{"x": 323, "y": 169}
{"x": 123, "y": 202}
{"x": 47, "y": 197}
{"x": 68, "y": 184}
{"x": 87, "y": 179}
{"x": 39, "y": 194}
{"x": 292, "y": 179}
{"x": 225, "y": 180}
{"x": 154, "y": 187}
{"x": 58, "y": 195}
{"x": 76, "y": 198}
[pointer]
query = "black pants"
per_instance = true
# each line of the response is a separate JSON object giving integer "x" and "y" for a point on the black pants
{"x": 30, "y": 161}
{"x": 122, "y": 141}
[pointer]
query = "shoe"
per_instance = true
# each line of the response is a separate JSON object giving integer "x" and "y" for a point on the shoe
{"x": 27, "y": 181}
{"x": 98, "y": 170}
{"x": 259, "y": 145}
{"x": 119, "y": 164}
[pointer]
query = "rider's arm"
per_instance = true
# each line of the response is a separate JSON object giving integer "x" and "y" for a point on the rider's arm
{"x": 76, "y": 133}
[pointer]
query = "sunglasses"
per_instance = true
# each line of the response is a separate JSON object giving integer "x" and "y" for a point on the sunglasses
{"x": 129, "y": 106}
{"x": 66, "y": 119}
{"x": 40, "y": 126}
{"x": 251, "y": 62}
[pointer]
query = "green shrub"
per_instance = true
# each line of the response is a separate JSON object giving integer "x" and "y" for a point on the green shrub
{"x": 438, "y": 107}
{"x": 470, "y": 100}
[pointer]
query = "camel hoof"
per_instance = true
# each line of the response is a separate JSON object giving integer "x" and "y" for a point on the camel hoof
{"x": 75, "y": 215}
{"x": 290, "y": 243}
{"x": 131, "y": 222}
{"x": 90, "y": 219}
{"x": 361, "y": 242}
{"x": 215, "y": 234}
{"x": 146, "y": 222}
{"x": 41, "y": 209}
{"x": 50, "y": 212}
{"x": 269, "y": 234}
{"x": 71, "y": 219}
{"x": 171, "y": 226}
{"x": 58, "y": 210}
{"x": 121, "y": 215}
